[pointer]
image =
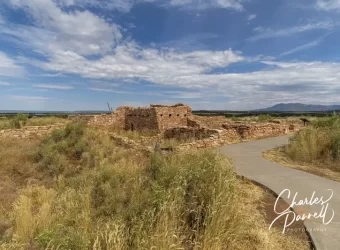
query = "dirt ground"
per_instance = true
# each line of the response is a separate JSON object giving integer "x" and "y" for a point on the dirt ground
{"x": 297, "y": 229}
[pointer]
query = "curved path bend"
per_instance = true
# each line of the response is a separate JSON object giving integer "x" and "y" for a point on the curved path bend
{"x": 248, "y": 160}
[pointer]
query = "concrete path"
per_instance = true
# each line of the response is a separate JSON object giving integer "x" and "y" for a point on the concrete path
{"x": 250, "y": 163}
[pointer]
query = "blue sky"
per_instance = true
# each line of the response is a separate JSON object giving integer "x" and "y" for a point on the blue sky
{"x": 210, "y": 54}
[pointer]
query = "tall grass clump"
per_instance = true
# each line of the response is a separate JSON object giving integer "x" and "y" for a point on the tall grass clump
{"x": 69, "y": 151}
{"x": 317, "y": 143}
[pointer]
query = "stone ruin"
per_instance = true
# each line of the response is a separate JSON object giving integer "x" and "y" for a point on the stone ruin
{"x": 31, "y": 132}
{"x": 154, "y": 118}
{"x": 178, "y": 122}
{"x": 169, "y": 122}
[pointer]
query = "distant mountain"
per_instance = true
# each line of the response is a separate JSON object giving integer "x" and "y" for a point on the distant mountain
{"x": 298, "y": 107}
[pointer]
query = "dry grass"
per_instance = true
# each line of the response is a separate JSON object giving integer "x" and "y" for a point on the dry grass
{"x": 279, "y": 155}
{"x": 16, "y": 168}
{"x": 315, "y": 149}
{"x": 267, "y": 118}
{"x": 43, "y": 121}
{"x": 104, "y": 197}
{"x": 22, "y": 120}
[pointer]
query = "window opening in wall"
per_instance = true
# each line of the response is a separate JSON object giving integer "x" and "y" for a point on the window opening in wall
{"x": 170, "y": 115}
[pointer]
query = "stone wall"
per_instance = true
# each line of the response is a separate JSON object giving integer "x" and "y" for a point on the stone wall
{"x": 141, "y": 119}
{"x": 30, "y": 132}
{"x": 172, "y": 116}
{"x": 202, "y": 137}
{"x": 232, "y": 133}
{"x": 189, "y": 133}
{"x": 114, "y": 120}
{"x": 214, "y": 122}
{"x": 81, "y": 118}
{"x": 155, "y": 117}
{"x": 251, "y": 131}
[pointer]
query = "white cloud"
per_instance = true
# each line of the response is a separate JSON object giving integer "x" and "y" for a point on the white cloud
{"x": 81, "y": 32}
{"x": 274, "y": 33}
{"x": 126, "y": 92}
{"x": 126, "y": 5}
{"x": 66, "y": 42}
{"x": 184, "y": 95}
{"x": 306, "y": 46}
{"x": 2, "y": 20}
{"x": 131, "y": 61}
{"x": 251, "y": 17}
{"x": 111, "y": 91}
{"x": 4, "y": 83}
{"x": 53, "y": 86}
{"x": 307, "y": 82}
{"x": 198, "y": 4}
{"x": 328, "y": 5}
{"x": 28, "y": 98}
{"x": 8, "y": 66}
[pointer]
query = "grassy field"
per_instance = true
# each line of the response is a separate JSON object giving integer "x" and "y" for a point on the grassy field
{"x": 315, "y": 149}
{"x": 76, "y": 189}
{"x": 21, "y": 120}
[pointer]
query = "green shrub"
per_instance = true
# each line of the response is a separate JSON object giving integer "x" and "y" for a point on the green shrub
{"x": 22, "y": 117}
{"x": 61, "y": 152}
{"x": 15, "y": 123}
{"x": 330, "y": 122}
{"x": 265, "y": 117}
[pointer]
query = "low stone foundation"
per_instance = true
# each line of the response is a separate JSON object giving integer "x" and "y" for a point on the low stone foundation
{"x": 253, "y": 131}
{"x": 185, "y": 133}
{"x": 30, "y": 132}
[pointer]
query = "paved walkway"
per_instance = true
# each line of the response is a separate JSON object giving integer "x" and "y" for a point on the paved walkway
{"x": 249, "y": 163}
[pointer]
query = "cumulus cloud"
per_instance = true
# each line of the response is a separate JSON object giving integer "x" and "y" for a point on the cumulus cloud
{"x": 131, "y": 61}
{"x": 328, "y": 5}
{"x": 54, "y": 29}
{"x": 67, "y": 39}
{"x": 263, "y": 33}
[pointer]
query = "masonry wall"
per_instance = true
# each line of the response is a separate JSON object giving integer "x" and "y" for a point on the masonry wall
{"x": 185, "y": 133}
{"x": 141, "y": 119}
{"x": 81, "y": 118}
{"x": 103, "y": 120}
{"x": 169, "y": 117}
{"x": 251, "y": 131}
{"x": 114, "y": 120}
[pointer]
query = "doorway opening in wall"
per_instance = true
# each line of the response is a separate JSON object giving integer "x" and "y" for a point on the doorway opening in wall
{"x": 132, "y": 127}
